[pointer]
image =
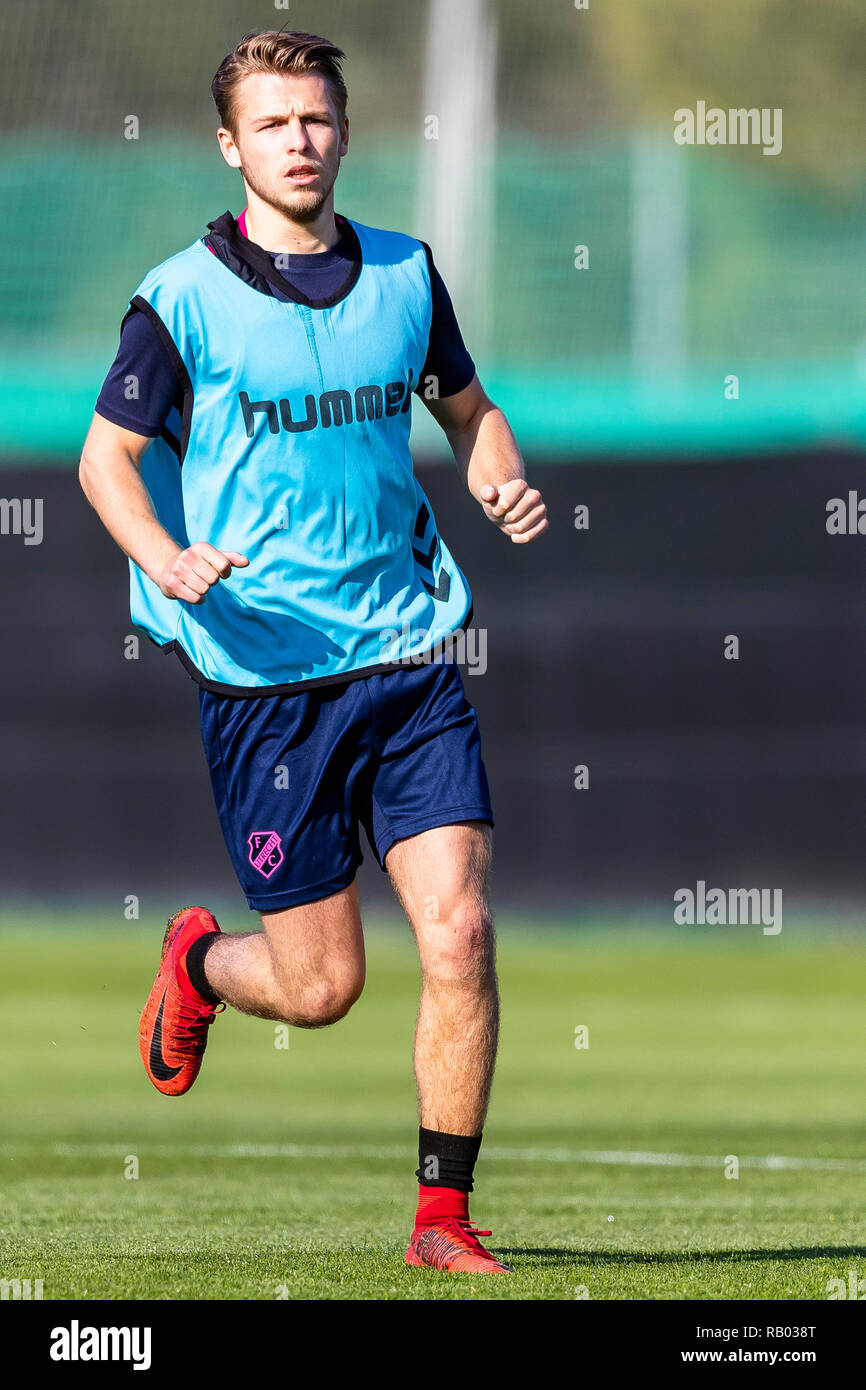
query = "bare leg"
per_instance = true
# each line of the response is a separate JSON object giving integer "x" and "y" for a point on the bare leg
{"x": 440, "y": 877}
{"x": 306, "y": 967}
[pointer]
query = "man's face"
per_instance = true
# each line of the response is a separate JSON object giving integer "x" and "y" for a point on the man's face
{"x": 289, "y": 141}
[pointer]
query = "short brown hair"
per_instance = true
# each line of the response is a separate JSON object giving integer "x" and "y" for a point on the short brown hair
{"x": 277, "y": 50}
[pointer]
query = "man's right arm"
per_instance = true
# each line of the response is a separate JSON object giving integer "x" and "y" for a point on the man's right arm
{"x": 110, "y": 468}
{"x": 110, "y": 476}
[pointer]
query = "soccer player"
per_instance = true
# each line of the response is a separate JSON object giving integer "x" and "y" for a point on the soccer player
{"x": 249, "y": 452}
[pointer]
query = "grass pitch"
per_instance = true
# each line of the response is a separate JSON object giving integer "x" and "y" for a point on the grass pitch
{"x": 288, "y": 1172}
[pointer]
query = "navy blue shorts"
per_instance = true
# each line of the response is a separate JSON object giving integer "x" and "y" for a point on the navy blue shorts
{"x": 295, "y": 776}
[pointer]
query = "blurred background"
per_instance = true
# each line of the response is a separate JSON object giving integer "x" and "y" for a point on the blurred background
{"x": 676, "y": 333}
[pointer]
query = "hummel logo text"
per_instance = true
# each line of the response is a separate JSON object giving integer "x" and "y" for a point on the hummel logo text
{"x": 332, "y": 407}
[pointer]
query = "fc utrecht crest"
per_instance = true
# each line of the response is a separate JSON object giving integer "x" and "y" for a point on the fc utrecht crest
{"x": 265, "y": 852}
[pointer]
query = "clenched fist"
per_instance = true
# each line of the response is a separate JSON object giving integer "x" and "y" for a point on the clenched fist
{"x": 195, "y": 570}
{"x": 516, "y": 508}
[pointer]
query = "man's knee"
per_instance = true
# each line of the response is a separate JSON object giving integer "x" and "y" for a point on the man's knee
{"x": 460, "y": 946}
{"x": 322, "y": 1002}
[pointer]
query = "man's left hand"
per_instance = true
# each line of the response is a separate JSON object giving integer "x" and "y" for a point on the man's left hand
{"x": 516, "y": 508}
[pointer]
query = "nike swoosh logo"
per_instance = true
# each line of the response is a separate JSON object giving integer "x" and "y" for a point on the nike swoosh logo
{"x": 158, "y": 1065}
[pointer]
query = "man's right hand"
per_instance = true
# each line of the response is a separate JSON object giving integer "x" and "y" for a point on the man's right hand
{"x": 192, "y": 572}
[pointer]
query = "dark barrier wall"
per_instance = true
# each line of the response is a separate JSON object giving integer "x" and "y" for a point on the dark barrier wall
{"x": 605, "y": 649}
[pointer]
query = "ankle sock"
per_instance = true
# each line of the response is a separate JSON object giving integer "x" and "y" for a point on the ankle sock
{"x": 446, "y": 1160}
{"x": 195, "y": 966}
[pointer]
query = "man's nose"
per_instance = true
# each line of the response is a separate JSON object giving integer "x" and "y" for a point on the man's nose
{"x": 296, "y": 135}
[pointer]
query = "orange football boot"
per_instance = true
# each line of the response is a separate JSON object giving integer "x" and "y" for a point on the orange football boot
{"x": 452, "y": 1243}
{"x": 173, "y": 1032}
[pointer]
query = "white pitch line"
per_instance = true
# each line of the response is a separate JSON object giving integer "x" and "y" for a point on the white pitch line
{"x": 602, "y": 1157}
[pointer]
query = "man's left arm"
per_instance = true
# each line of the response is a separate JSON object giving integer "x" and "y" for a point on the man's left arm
{"x": 487, "y": 455}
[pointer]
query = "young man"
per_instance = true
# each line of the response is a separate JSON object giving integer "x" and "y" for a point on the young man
{"x": 250, "y": 454}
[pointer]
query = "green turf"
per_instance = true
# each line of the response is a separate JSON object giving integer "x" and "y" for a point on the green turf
{"x": 289, "y": 1172}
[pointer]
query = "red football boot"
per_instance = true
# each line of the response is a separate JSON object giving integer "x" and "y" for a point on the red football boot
{"x": 173, "y": 1032}
{"x": 453, "y": 1244}
{"x": 445, "y": 1238}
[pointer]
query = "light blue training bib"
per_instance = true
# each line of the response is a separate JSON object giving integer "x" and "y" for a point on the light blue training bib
{"x": 294, "y": 450}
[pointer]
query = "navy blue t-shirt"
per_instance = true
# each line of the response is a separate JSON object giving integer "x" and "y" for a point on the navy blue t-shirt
{"x": 143, "y": 356}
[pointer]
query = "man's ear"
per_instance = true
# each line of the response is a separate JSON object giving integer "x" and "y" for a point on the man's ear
{"x": 228, "y": 149}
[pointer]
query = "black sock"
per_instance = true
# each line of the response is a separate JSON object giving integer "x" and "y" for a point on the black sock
{"x": 195, "y": 966}
{"x": 446, "y": 1160}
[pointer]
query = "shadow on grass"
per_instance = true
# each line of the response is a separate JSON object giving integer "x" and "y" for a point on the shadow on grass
{"x": 646, "y": 1257}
